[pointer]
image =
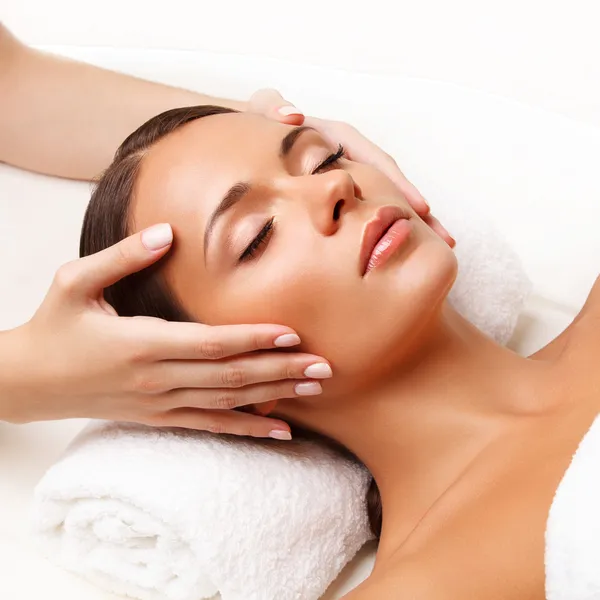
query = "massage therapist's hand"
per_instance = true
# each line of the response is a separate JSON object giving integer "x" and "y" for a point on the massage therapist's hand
{"x": 271, "y": 104}
{"x": 77, "y": 358}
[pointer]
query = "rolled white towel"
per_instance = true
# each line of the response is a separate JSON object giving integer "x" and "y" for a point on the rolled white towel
{"x": 181, "y": 515}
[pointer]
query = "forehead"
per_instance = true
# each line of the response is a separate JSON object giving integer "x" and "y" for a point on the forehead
{"x": 185, "y": 174}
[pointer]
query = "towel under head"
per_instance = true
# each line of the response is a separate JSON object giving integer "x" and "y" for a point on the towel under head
{"x": 180, "y": 515}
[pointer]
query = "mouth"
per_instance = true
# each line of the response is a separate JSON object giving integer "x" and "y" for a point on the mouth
{"x": 382, "y": 236}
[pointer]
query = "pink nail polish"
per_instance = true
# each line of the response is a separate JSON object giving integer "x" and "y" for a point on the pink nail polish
{"x": 286, "y": 340}
{"x": 308, "y": 388}
{"x": 318, "y": 371}
{"x": 286, "y": 111}
{"x": 157, "y": 237}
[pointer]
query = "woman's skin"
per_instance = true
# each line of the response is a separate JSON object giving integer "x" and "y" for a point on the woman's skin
{"x": 75, "y": 357}
{"x": 466, "y": 440}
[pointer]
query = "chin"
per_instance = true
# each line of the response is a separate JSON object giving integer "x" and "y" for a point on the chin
{"x": 433, "y": 272}
{"x": 423, "y": 273}
{"x": 416, "y": 290}
{"x": 392, "y": 321}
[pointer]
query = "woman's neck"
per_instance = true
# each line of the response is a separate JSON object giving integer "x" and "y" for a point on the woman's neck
{"x": 422, "y": 426}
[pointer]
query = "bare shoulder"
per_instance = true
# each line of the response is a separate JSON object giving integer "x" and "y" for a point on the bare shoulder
{"x": 585, "y": 335}
{"x": 8, "y": 42}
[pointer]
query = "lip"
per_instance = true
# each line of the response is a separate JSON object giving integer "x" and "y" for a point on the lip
{"x": 374, "y": 231}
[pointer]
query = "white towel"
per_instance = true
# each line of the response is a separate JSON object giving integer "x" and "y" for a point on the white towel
{"x": 181, "y": 515}
{"x": 491, "y": 287}
{"x": 573, "y": 529}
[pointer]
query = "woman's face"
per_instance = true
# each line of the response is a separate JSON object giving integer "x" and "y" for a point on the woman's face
{"x": 268, "y": 229}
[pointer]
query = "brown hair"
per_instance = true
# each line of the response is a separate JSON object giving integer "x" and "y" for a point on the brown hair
{"x": 107, "y": 221}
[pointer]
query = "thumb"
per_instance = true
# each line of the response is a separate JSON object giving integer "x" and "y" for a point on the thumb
{"x": 271, "y": 104}
{"x": 95, "y": 272}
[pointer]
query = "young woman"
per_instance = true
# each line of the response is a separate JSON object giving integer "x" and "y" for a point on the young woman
{"x": 51, "y": 123}
{"x": 467, "y": 441}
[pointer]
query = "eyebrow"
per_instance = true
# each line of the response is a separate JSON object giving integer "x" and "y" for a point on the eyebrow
{"x": 238, "y": 191}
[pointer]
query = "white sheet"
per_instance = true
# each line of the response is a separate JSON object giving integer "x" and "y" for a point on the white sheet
{"x": 532, "y": 172}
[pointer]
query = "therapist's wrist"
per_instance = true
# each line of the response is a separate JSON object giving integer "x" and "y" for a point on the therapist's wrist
{"x": 16, "y": 377}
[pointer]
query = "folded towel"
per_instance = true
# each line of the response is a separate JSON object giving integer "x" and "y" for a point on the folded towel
{"x": 182, "y": 515}
{"x": 573, "y": 528}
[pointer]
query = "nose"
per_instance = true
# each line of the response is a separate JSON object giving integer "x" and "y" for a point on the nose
{"x": 328, "y": 197}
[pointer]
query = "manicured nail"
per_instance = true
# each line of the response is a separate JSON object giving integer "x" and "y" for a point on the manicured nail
{"x": 286, "y": 111}
{"x": 280, "y": 434}
{"x": 286, "y": 340}
{"x": 446, "y": 232}
{"x": 157, "y": 237}
{"x": 308, "y": 388}
{"x": 318, "y": 371}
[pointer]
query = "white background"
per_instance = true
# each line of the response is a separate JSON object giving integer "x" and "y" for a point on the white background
{"x": 542, "y": 52}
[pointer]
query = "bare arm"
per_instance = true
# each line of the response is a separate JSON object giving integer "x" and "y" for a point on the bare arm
{"x": 67, "y": 118}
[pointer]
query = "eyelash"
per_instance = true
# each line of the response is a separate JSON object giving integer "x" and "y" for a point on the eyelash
{"x": 330, "y": 160}
{"x": 265, "y": 233}
{"x": 262, "y": 238}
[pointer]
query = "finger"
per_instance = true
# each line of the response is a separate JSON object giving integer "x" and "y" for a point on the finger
{"x": 194, "y": 341}
{"x": 440, "y": 230}
{"x": 106, "y": 307}
{"x": 90, "y": 275}
{"x": 415, "y": 199}
{"x": 239, "y": 371}
{"x": 232, "y": 422}
{"x": 385, "y": 164}
{"x": 360, "y": 149}
{"x": 230, "y": 398}
{"x": 410, "y": 192}
{"x": 270, "y": 103}
{"x": 265, "y": 409}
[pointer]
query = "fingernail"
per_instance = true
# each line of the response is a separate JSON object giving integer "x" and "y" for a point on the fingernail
{"x": 318, "y": 371}
{"x": 157, "y": 237}
{"x": 286, "y": 340}
{"x": 286, "y": 111}
{"x": 308, "y": 388}
{"x": 280, "y": 434}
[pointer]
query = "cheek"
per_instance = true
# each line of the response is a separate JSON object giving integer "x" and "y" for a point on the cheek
{"x": 363, "y": 328}
{"x": 292, "y": 288}
{"x": 312, "y": 292}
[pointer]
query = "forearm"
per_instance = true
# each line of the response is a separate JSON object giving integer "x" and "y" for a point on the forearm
{"x": 66, "y": 118}
{"x": 10, "y": 372}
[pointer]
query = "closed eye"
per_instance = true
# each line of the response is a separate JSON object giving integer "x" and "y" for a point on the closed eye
{"x": 261, "y": 239}
{"x": 332, "y": 159}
